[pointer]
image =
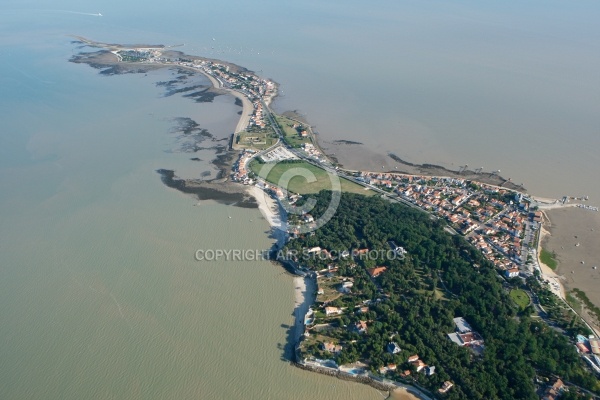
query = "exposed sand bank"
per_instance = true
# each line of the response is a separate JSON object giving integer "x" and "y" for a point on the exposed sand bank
{"x": 356, "y": 156}
{"x": 574, "y": 236}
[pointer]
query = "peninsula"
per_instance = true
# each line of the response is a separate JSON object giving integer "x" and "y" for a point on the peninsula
{"x": 468, "y": 310}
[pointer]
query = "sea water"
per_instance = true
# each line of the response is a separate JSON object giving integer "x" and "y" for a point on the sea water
{"x": 100, "y": 295}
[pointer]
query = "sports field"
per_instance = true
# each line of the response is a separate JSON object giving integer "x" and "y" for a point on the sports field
{"x": 302, "y": 177}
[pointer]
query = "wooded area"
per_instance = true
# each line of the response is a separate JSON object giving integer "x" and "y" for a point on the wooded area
{"x": 414, "y": 301}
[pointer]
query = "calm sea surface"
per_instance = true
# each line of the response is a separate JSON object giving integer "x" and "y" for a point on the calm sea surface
{"x": 100, "y": 296}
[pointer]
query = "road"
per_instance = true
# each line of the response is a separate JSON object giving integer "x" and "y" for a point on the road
{"x": 328, "y": 166}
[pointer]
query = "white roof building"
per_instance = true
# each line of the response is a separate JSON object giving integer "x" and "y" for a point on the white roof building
{"x": 462, "y": 326}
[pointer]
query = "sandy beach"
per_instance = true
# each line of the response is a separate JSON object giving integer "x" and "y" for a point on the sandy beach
{"x": 403, "y": 394}
{"x": 304, "y": 287}
{"x": 272, "y": 212}
{"x": 547, "y": 272}
{"x": 574, "y": 234}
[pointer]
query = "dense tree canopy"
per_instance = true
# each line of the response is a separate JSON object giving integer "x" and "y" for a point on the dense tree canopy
{"x": 416, "y": 298}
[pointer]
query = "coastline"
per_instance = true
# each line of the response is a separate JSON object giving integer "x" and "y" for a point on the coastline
{"x": 305, "y": 287}
{"x": 109, "y": 57}
{"x": 573, "y": 235}
{"x": 246, "y": 104}
{"x": 549, "y": 275}
{"x": 272, "y": 212}
{"x": 356, "y": 157}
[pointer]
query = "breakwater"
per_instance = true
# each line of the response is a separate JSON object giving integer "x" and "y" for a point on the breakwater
{"x": 379, "y": 385}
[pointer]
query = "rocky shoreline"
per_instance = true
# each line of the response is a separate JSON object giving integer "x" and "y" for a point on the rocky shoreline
{"x": 225, "y": 192}
{"x": 230, "y": 194}
{"x": 364, "y": 379}
{"x": 438, "y": 170}
{"x": 383, "y": 386}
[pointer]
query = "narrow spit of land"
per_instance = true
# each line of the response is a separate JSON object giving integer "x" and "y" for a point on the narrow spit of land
{"x": 256, "y": 94}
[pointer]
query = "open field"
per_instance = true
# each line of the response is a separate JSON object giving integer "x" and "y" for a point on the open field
{"x": 329, "y": 286}
{"x": 321, "y": 180}
{"x": 520, "y": 298}
{"x": 290, "y": 135}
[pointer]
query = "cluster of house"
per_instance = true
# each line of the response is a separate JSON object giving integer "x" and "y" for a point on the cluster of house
{"x": 254, "y": 88}
{"x": 361, "y": 327}
{"x": 312, "y": 151}
{"x": 500, "y": 239}
{"x": 358, "y": 327}
{"x": 251, "y": 85}
{"x": 590, "y": 347}
{"x": 465, "y": 336}
{"x": 302, "y": 132}
{"x": 553, "y": 392}
{"x": 139, "y": 54}
{"x": 478, "y": 212}
{"x": 240, "y": 170}
{"x": 495, "y": 248}
{"x": 331, "y": 347}
{"x": 413, "y": 360}
{"x": 257, "y": 116}
{"x": 420, "y": 365}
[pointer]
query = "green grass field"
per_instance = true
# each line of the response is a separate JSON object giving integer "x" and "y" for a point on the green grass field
{"x": 291, "y": 136}
{"x": 299, "y": 184}
{"x": 548, "y": 258}
{"x": 520, "y": 298}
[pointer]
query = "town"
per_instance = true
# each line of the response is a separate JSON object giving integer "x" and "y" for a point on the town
{"x": 503, "y": 224}
{"x": 259, "y": 92}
